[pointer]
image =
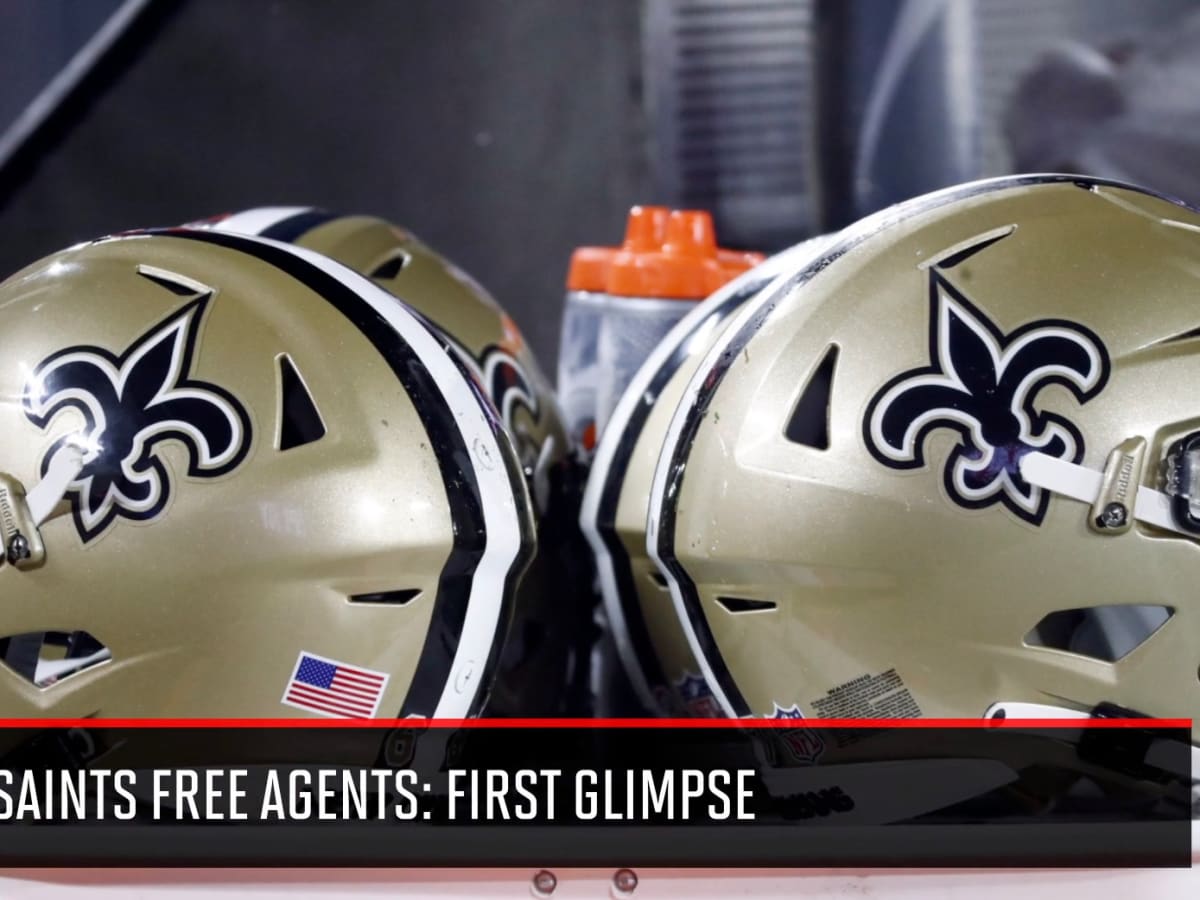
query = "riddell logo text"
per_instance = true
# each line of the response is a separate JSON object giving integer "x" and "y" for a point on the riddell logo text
{"x": 8, "y": 520}
{"x": 1123, "y": 476}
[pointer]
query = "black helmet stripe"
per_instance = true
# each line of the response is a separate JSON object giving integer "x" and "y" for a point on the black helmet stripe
{"x": 295, "y": 227}
{"x": 279, "y": 223}
{"x": 612, "y": 472}
{"x": 474, "y": 549}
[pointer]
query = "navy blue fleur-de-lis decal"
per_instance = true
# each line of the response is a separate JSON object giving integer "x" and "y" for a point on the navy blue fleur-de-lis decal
{"x": 131, "y": 404}
{"x": 984, "y": 384}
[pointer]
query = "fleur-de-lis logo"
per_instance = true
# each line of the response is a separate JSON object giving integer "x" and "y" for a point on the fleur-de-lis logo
{"x": 131, "y": 404}
{"x": 506, "y": 387}
{"x": 501, "y": 377}
{"x": 507, "y": 384}
{"x": 984, "y": 384}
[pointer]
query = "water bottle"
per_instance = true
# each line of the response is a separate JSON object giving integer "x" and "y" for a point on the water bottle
{"x": 621, "y": 301}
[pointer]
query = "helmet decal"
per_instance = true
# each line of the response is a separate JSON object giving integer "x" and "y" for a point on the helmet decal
{"x": 503, "y": 381}
{"x": 803, "y": 745}
{"x": 984, "y": 384}
{"x": 698, "y": 700}
{"x": 507, "y": 385}
{"x": 130, "y": 404}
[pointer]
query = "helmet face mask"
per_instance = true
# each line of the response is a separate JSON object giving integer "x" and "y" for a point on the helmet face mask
{"x": 908, "y": 566}
{"x": 198, "y": 557}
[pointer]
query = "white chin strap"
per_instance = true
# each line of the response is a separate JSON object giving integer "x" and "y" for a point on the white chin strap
{"x": 1081, "y": 483}
{"x": 1151, "y": 507}
{"x": 1162, "y": 753}
{"x": 48, "y": 493}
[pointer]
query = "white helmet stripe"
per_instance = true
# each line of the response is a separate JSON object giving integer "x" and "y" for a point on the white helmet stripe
{"x": 477, "y": 431}
{"x": 256, "y": 221}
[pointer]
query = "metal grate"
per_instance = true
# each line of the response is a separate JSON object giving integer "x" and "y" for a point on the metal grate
{"x": 729, "y": 87}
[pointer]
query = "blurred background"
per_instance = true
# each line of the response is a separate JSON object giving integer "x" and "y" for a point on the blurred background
{"x": 508, "y": 133}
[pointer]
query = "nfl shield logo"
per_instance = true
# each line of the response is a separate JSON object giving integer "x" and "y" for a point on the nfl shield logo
{"x": 698, "y": 700}
{"x": 802, "y": 744}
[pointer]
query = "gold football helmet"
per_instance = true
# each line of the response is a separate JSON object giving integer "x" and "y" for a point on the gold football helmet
{"x": 480, "y": 333}
{"x": 649, "y": 641}
{"x": 544, "y": 667}
{"x": 951, "y": 469}
{"x": 242, "y": 481}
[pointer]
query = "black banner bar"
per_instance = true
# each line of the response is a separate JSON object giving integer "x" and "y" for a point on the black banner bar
{"x": 422, "y": 796}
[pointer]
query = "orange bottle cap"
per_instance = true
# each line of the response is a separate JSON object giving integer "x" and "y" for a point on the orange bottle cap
{"x": 666, "y": 254}
{"x": 687, "y": 265}
{"x": 589, "y": 268}
{"x": 646, "y": 228}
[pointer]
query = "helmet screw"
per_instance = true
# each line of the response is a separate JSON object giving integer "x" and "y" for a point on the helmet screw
{"x": 1114, "y": 515}
{"x": 625, "y": 881}
{"x": 544, "y": 883}
{"x": 18, "y": 548}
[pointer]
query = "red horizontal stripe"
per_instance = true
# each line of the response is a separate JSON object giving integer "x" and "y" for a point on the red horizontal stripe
{"x": 348, "y": 702}
{"x": 357, "y": 691}
{"x": 354, "y": 685}
{"x": 320, "y": 706}
{"x": 358, "y": 676}
{"x": 324, "y": 704}
{"x": 350, "y": 694}
{"x": 340, "y": 684}
{"x": 316, "y": 706}
{"x": 641, "y": 724}
{"x": 330, "y": 692}
{"x": 317, "y": 697}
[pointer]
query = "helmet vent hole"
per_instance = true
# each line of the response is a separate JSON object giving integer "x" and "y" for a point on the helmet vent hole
{"x": 1105, "y": 633}
{"x": 391, "y": 266}
{"x": 1190, "y": 335}
{"x": 809, "y": 423}
{"x": 300, "y": 422}
{"x": 657, "y": 578}
{"x": 177, "y": 284}
{"x": 44, "y": 658}
{"x": 390, "y": 598}
{"x": 738, "y": 605}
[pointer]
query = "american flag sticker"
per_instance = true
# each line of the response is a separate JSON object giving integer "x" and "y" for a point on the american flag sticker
{"x": 333, "y": 688}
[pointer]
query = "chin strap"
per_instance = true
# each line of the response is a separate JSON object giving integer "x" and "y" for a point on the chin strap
{"x": 1161, "y": 753}
{"x": 48, "y": 492}
{"x": 22, "y": 513}
{"x": 1078, "y": 482}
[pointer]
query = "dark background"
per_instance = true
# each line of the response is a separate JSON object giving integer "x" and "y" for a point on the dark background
{"x": 507, "y": 132}
{"x": 498, "y": 131}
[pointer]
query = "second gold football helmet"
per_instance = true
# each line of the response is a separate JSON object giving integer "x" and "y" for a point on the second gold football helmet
{"x": 951, "y": 468}
{"x": 649, "y": 641}
{"x": 483, "y": 336}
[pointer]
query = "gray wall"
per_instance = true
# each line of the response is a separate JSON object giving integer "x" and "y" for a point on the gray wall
{"x": 37, "y": 39}
{"x": 503, "y": 132}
